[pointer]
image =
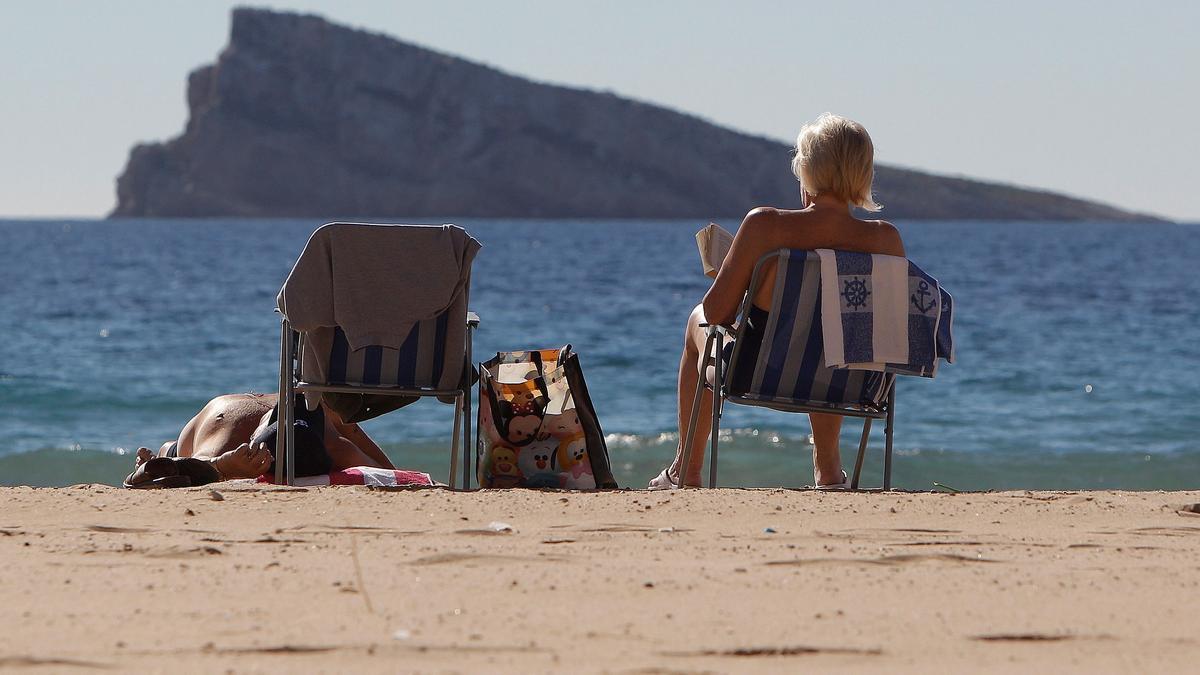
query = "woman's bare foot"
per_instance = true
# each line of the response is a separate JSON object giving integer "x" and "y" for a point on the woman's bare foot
{"x": 243, "y": 462}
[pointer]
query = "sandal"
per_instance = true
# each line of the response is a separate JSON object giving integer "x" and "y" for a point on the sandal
{"x": 844, "y": 485}
{"x": 662, "y": 482}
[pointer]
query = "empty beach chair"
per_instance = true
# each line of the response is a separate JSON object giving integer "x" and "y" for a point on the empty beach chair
{"x": 375, "y": 317}
{"x": 786, "y": 371}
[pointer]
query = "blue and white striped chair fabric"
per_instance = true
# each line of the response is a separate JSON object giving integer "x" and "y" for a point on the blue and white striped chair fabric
{"x": 413, "y": 371}
{"x": 418, "y": 362}
{"x": 787, "y": 372}
{"x": 789, "y": 365}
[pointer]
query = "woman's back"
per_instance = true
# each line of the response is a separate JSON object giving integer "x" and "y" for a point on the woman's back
{"x": 822, "y": 225}
{"x": 815, "y": 228}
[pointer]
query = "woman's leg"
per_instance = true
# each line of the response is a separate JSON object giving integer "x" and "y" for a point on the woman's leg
{"x": 827, "y": 458}
{"x": 689, "y": 370}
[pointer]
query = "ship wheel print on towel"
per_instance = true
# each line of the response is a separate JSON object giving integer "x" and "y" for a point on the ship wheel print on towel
{"x": 855, "y": 291}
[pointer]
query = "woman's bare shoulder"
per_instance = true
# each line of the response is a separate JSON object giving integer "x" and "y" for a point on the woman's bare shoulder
{"x": 770, "y": 217}
{"x": 767, "y": 227}
{"x": 758, "y": 220}
{"x": 887, "y": 237}
{"x": 762, "y": 214}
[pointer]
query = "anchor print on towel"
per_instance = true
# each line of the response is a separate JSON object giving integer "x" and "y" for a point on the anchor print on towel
{"x": 919, "y": 296}
{"x": 855, "y": 291}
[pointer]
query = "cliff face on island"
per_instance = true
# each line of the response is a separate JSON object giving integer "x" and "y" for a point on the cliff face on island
{"x": 302, "y": 117}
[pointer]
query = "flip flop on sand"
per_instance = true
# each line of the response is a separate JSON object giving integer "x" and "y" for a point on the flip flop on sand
{"x": 844, "y": 485}
{"x": 662, "y": 482}
{"x": 172, "y": 472}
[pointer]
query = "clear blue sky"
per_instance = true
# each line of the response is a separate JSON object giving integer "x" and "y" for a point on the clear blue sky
{"x": 1095, "y": 99}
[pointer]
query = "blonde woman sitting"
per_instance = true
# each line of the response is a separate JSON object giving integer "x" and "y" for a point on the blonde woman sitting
{"x": 834, "y": 163}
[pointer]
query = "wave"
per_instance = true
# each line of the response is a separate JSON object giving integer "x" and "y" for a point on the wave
{"x": 747, "y": 458}
{"x": 58, "y": 467}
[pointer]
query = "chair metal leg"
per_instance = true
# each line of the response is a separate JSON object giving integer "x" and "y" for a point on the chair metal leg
{"x": 862, "y": 451}
{"x": 285, "y": 377}
{"x": 287, "y": 414}
{"x": 468, "y": 448}
{"x": 716, "y": 412}
{"x": 458, "y": 409}
{"x": 887, "y": 451}
{"x": 466, "y": 452}
{"x": 691, "y": 430}
{"x": 289, "y": 411}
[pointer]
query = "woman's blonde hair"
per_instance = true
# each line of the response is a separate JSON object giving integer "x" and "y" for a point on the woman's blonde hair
{"x": 835, "y": 156}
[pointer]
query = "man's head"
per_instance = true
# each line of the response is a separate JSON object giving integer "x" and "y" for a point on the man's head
{"x": 311, "y": 457}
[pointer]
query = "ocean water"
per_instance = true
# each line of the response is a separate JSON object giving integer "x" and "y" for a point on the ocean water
{"x": 1078, "y": 359}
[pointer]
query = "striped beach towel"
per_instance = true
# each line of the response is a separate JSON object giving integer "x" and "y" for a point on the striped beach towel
{"x": 362, "y": 475}
{"x": 883, "y": 313}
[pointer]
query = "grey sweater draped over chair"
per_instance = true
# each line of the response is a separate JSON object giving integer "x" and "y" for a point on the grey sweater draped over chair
{"x": 376, "y": 283}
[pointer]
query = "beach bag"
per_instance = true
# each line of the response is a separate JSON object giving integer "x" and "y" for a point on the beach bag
{"x": 537, "y": 426}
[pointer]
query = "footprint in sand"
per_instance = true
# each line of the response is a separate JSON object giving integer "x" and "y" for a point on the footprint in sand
{"x": 886, "y": 560}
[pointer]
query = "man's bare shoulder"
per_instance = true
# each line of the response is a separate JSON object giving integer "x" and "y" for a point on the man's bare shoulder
{"x": 239, "y": 403}
{"x": 250, "y": 397}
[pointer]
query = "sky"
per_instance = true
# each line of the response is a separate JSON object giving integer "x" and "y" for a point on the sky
{"x": 1093, "y": 99}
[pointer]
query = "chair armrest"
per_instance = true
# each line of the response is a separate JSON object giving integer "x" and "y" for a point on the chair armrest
{"x": 472, "y": 320}
{"x": 714, "y": 328}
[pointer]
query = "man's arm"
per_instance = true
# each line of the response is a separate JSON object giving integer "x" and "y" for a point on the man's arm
{"x": 354, "y": 433}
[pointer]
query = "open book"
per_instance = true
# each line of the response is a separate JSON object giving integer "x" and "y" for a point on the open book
{"x": 714, "y": 242}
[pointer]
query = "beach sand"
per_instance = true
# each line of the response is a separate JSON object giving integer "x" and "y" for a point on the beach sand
{"x": 256, "y": 578}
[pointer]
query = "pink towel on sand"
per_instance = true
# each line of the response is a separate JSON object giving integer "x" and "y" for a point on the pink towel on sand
{"x": 362, "y": 475}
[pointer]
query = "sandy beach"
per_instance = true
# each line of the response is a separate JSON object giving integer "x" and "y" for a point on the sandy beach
{"x": 265, "y": 579}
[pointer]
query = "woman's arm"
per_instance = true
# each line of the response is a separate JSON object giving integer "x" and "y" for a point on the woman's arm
{"x": 733, "y": 279}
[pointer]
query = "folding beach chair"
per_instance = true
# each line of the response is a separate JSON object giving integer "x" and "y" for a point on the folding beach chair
{"x": 788, "y": 372}
{"x": 433, "y": 358}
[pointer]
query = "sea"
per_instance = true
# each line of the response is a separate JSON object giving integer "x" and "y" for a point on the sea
{"x": 1078, "y": 347}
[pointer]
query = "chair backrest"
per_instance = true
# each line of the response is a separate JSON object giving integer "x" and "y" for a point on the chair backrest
{"x": 406, "y": 286}
{"x": 418, "y": 362}
{"x": 788, "y": 367}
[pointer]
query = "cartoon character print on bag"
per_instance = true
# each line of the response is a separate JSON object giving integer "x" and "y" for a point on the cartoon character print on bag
{"x": 536, "y": 462}
{"x": 486, "y": 420}
{"x": 560, "y": 425}
{"x": 521, "y": 417}
{"x": 572, "y": 458}
{"x": 527, "y": 403}
{"x": 505, "y": 470}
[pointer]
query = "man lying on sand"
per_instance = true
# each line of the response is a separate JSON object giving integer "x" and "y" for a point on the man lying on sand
{"x": 234, "y": 437}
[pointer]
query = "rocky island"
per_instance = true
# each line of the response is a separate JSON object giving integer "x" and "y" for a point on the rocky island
{"x": 302, "y": 117}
